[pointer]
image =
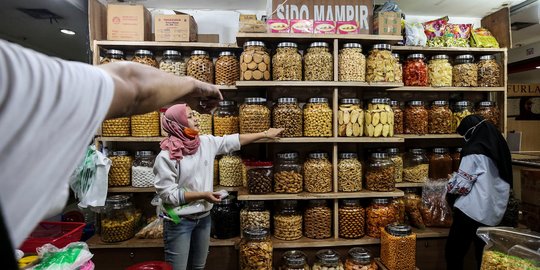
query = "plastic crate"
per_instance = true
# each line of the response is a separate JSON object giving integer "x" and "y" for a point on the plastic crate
{"x": 59, "y": 234}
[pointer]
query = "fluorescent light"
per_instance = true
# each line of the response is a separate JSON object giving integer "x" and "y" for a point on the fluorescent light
{"x": 537, "y": 67}
{"x": 67, "y": 32}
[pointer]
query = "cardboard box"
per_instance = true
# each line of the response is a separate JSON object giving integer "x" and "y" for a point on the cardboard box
{"x": 302, "y": 26}
{"x": 387, "y": 23}
{"x": 177, "y": 27}
{"x": 278, "y": 26}
{"x": 324, "y": 27}
{"x": 128, "y": 22}
{"x": 248, "y": 23}
{"x": 347, "y": 27}
{"x": 208, "y": 38}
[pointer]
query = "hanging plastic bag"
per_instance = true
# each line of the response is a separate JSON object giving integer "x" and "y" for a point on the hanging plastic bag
{"x": 89, "y": 181}
{"x": 435, "y": 210}
{"x": 414, "y": 34}
{"x": 154, "y": 229}
{"x": 71, "y": 257}
{"x": 388, "y": 6}
{"x": 509, "y": 248}
{"x": 413, "y": 203}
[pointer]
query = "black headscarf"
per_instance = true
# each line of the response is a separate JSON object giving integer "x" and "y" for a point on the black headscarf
{"x": 486, "y": 140}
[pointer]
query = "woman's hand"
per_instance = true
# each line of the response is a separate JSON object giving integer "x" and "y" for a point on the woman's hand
{"x": 212, "y": 197}
{"x": 273, "y": 133}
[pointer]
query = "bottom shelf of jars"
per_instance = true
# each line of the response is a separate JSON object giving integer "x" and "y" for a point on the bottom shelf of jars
{"x": 381, "y": 265}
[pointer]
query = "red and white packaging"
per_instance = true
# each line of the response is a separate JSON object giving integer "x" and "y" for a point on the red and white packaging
{"x": 302, "y": 26}
{"x": 347, "y": 27}
{"x": 278, "y": 26}
{"x": 324, "y": 27}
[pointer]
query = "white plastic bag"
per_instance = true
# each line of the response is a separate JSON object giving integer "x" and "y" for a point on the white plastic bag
{"x": 70, "y": 257}
{"x": 414, "y": 34}
{"x": 89, "y": 181}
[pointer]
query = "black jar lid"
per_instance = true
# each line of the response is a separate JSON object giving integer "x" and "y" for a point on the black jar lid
{"x": 171, "y": 53}
{"x": 256, "y": 205}
{"x": 255, "y": 100}
{"x": 287, "y": 45}
{"x": 379, "y": 155}
{"x": 227, "y": 103}
{"x": 360, "y": 255}
{"x": 288, "y": 155}
{"x": 318, "y": 100}
{"x": 227, "y": 200}
{"x": 440, "y": 56}
{"x": 417, "y": 151}
{"x": 318, "y": 155}
{"x": 120, "y": 153}
{"x": 394, "y": 103}
{"x": 416, "y": 56}
{"x": 199, "y": 52}
{"x": 226, "y": 53}
{"x": 458, "y": 150}
{"x": 396, "y": 55}
{"x": 416, "y": 103}
{"x": 350, "y": 202}
{"x": 349, "y": 101}
{"x": 348, "y": 155}
{"x": 380, "y": 201}
{"x": 396, "y": 229}
{"x": 463, "y": 103}
{"x": 295, "y": 258}
{"x": 318, "y": 44}
{"x": 316, "y": 203}
{"x": 464, "y": 58}
{"x": 254, "y": 43}
{"x": 328, "y": 256}
{"x": 144, "y": 153}
{"x": 440, "y": 150}
{"x": 288, "y": 204}
{"x": 439, "y": 103}
{"x": 352, "y": 45}
{"x": 380, "y": 101}
{"x": 287, "y": 100}
{"x": 118, "y": 201}
{"x": 115, "y": 52}
{"x": 393, "y": 151}
{"x": 387, "y": 47}
{"x": 143, "y": 52}
{"x": 486, "y": 103}
{"x": 487, "y": 57}
{"x": 256, "y": 233}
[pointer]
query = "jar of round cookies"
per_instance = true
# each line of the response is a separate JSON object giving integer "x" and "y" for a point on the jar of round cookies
{"x": 462, "y": 109}
{"x": 288, "y": 176}
{"x": 440, "y": 118}
{"x": 287, "y": 221}
{"x": 489, "y": 72}
{"x": 352, "y": 63}
{"x": 379, "y": 118}
{"x": 318, "y": 173}
{"x": 360, "y": 259}
{"x": 318, "y": 220}
{"x": 351, "y": 219}
{"x": 327, "y": 259}
{"x": 381, "y": 64}
{"x": 172, "y": 62}
{"x": 490, "y": 112}
{"x": 254, "y": 115}
{"x": 465, "y": 71}
{"x": 318, "y": 63}
{"x": 380, "y": 173}
{"x": 398, "y": 116}
{"x": 112, "y": 56}
{"x": 416, "y": 118}
{"x": 287, "y": 114}
{"x": 119, "y": 220}
{"x": 226, "y": 118}
{"x": 200, "y": 66}
{"x": 256, "y": 249}
{"x": 294, "y": 260}
{"x": 349, "y": 173}
{"x": 317, "y": 118}
{"x": 255, "y": 62}
{"x": 145, "y": 57}
{"x": 227, "y": 69}
{"x": 350, "y": 118}
{"x": 287, "y": 62}
{"x": 120, "y": 172}
{"x": 379, "y": 214}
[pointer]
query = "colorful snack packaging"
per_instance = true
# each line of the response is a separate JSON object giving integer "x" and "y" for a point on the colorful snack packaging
{"x": 301, "y": 26}
{"x": 324, "y": 27}
{"x": 278, "y": 26}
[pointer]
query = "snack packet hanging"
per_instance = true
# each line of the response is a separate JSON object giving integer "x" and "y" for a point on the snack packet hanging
{"x": 435, "y": 209}
{"x": 457, "y": 35}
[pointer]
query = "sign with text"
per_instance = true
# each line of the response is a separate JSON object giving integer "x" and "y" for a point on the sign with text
{"x": 524, "y": 90}
{"x": 326, "y": 10}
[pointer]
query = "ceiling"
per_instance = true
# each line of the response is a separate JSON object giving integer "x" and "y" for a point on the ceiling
{"x": 457, "y": 8}
{"x": 202, "y": 4}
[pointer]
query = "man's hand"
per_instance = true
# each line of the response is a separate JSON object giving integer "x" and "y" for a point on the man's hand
{"x": 203, "y": 95}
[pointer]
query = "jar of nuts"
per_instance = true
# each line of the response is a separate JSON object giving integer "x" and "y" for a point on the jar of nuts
{"x": 287, "y": 62}
{"x": 352, "y": 63}
{"x": 230, "y": 170}
{"x": 294, "y": 260}
{"x": 350, "y": 118}
{"x": 490, "y": 112}
{"x": 200, "y": 66}
{"x": 489, "y": 72}
{"x": 216, "y": 171}
{"x": 254, "y": 115}
{"x": 318, "y": 220}
{"x": 440, "y": 164}
{"x": 227, "y": 69}
{"x": 318, "y": 63}
{"x": 398, "y": 247}
{"x": 318, "y": 173}
{"x": 398, "y": 116}
{"x": 379, "y": 214}
{"x": 398, "y": 68}
{"x": 415, "y": 71}
{"x": 456, "y": 159}
{"x": 465, "y": 71}
{"x": 256, "y": 249}
{"x": 287, "y": 221}
{"x": 255, "y": 62}
{"x": 226, "y": 118}
{"x": 172, "y": 62}
{"x": 260, "y": 177}
{"x": 145, "y": 57}
{"x": 415, "y": 166}
{"x": 440, "y": 118}
{"x": 440, "y": 71}
{"x": 395, "y": 157}
{"x": 288, "y": 176}
{"x": 416, "y": 118}
{"x": 112, "y": 56}
{"x": 379, "y": 118}
{"x": 351, "y": 219}
{"x": 380, "y": 173}
{"x": 254, "y": 215}
{"x": 119, "y": 220}
{"x": 462, "y": 109}
{"x": 205, "y": 119}
{"x": 381, "y": 64}
{"x": 287, "y": 114}
{"x": 317, "y": 118}
{"x": 142, "y": 171}
{"x": 120, "y": 172}
{"x": 225, "y": 218}
{"x": 349, "y": 173}
{"x": 327, "y": 259}
{"x": 360, "y": 259}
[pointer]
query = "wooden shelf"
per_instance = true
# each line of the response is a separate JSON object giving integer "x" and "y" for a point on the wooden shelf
{"x": 131, "y": 189}
{"x": 129, "y": 139}
{"x": 228, "y": 189}
{"x": 243, "y": 195}
{"x": 409, "y": 184}
{"x": 281, "y": 140}
{"x": 113, "y": 44}
{"x": 381, "y": 265}
{"x": 325, "y": 84}
{"x": 446, "y": 89}
{"x": 451, "y": 50}
{"x": 429, "y": 136}
{"x": 278, "y": 37}
{"x": 95, "y": 243}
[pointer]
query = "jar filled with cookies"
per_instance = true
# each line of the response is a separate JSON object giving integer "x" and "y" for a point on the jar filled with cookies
{"x": 288, "y": 221}
{"x": 398, "y": 116}
{"x": 352, "y": 63}
{"x": 120, "y": 172}
{"x": 145, "y": 57}
{"x": 327, "y": 259}
{"x": 294, "y": 260}
{"x": 380, "y": 173}
{"x": 490, "y": 112}
{"x": 204, "y": 115}
{"x": 288, "y": 176}
{"x": 318, "y": 63}
{"x": 200, "y": 66}
{"x": 227, "y": 69}
{"x": 317, "y": 118}
{"x": 489, "y": 72}
{"x": 379, "y": 214}
{"x": 381, "y": 64}
{"x": 440, "y": 163}
{"x": 416, "y": 118}
{"x": 287, "y": 63}
{"x": 360, "y": 259}
{"x": 260, "y": 177}
{"x": 395, "y": 157}
{"x": 379, "y": 118}
{"x": 349, "y": 173}
{"x": 318, "y": 220}
{"x": 145, "y": 125}
{"x": 111, "y": 56}
{"x": 351, "y": 219}
{"x": 230, "y": 170}
{"x": 318, "y": 173}
{"x": 254, "y": 115}
{"x": 440, "y": 118}
{"x": 415, "y": 166}
{"x": 465, "y": 71}
{"x": 172, "y": 62}
{"x": 398, "y": 68}
{"x": 440, "y": 71}
{"x": 287, "y": 114}
{"x": 226, "y": 118}
{"x": 415, "y": 70}
{"x": 142, "y": 171}
{"x": 350, "y": 118}
{"x": 462, "y": 109}
{"x": 255, "y": 62}
{"x": 119, "y": 220}
{"x": 254, "y": 215}
{"x": 256, "y": 249}
{"x": 398, "y": 247}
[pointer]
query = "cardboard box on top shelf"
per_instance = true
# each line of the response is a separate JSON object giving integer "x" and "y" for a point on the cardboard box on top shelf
{"x": 387, "y": 23}
{"x": 248, "y": 23}
{"x": 208, "y": 38}
{"x": 175, "y": 27}
{"x": 128, "y": 22}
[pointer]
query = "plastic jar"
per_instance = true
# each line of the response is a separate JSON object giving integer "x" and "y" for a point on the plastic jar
{"x": 327, "y": 259}
{"x": 120, "y": 172}
{"x": 465, "y": 71}
{"x": 462, "y": 109}
{"x": 145, "y": 57}
{"x": 360, "y": 259}
{"x": 318, "y": 220}
{"x": 225, "y": 218}
{"x": 440, "y": 71}
{"x": 413, "y": 203}
{"x": 415, "y": 71}
{"x": 254, "y": 215}
{"x": 440, "y": 164}
{"x": 255, "y": 62}
{"x": 288, "y": 176}
{"x": 380, "y": 173}
{"x": 287, "y": 114}
{"x": 112, "y": 56}
{"x": 351, "y": 219}
{"x": 489, "y": 72}
{"x": 254, "y": 115}
{"x": 119, "y": 220}
{"x": 200, "y": 66}
{"x": 379, "y": 214}
{"x": 415, "y": 166}
{"x": 230, "y": 170}
{"x": 318, "y": 173}
{"x": 349, "y": 173}
{"x": 395, "y": 157}
{"x": 456, "y": 159}
{"x": 318, "y": 63}
{"x": 416, "y": 118}
{"x": 142, "y": 172}
{"x": 256, "y": 249}
{"x": 260, "y": 177}
{"x": 440, "y": 118}
{"x": 398, "y": 247}
{"x": 380, "y": 64}
{"x": 216, "y": 171}
{"x": 490, "y": 112}
{"x": 287, "y": 62}
{"x": 317, "y": 118}
{"x": 205, "y": 119}
{"x": 379, "y": 118}
{"x": 145, "y": 125}
{"x": 294, "y": 260}
{"x": 350, "y": 118}
{"x": 227, "y": 69}
{"x": 172, "y": 62}
{"x": 117, "y": 127}
{"x": 399, "y": 204}
{"x": 398, "y": 117}
{"x": 226, "y": 118}
{"x": 352, "y": 63}
{"x": 287, "y": 221}
{"x": 398, "y": 68}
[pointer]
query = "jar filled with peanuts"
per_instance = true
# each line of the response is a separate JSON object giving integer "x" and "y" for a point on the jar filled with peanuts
{"x": 205, "y": 119}
{"x": 317, "y": 220}
{"x": 287, "y": 114}
{"x": 230, "y": 170}
{"x": 395, "y": 157}
{"x": 440, "y": 164}
{"x": 490, "y": 112}
{"x": 172, "y": 62}
{"x": 350, "y": 118}
{"x": 398, "y": 116}
{"x": 465, "y": 71}
{"x": 226, "y": 118}
{"x": 462, "y": 109}
{"x": 318, "y": 173}
{"x": 254, "y": 115}
{"x": 489, "y": 72}
{"x": 145, "y": 57}
{"x": 200, "y": 66}
{"x": 318, "y": 63}
{"x": 440, "y": 71}
{"x": 317, "y": 118}
{"x": 288, "y": 176}
{"x": 327, "y": 259}
{"x": 227, "y": 69}
{"x": 398, "y": 247}
{"x": 415, "y": 71}
{"x": 225, "y": 216}
{"x": 352, "y": 63}
{"x": 255, "y": 62}
{"x": 288, "y": 221}
{"x": 256, "y": 249}
{"x": 456, "y": 159}
{"x": 379, "y": 118}
{"x": 260, "y": 177}
{"x": 379, "y": 214}
{"x": 380, "y": 173}
{"x": 119, "y": 220}
{"x": 294, "y": 260}
{"x": 254, "y": 215}
{"x": 381, "y": 64}
{"x": 416, "y": 118}
{"x": 287, "y": 62}
{"x": 351, "y": 219}
{"x": 112, "y": 56}
{"x": 360, "y": 259}
{"x": 349, "y": 173}
{"x": 398, "y": 68}
{"x": 142, "y": 171}
{"x": 120, "y": 172}
{"x": 440, "y": 118}
{"x": 415, "y": 166}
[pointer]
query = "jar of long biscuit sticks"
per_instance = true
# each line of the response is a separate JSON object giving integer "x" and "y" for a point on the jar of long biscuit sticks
{"x": 112, "y": 56}
{"x": 255, "y": 62}
{"x": 145, "y": 57}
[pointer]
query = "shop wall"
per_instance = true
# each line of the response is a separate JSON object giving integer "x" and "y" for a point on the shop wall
{"x": 530, "y": 129}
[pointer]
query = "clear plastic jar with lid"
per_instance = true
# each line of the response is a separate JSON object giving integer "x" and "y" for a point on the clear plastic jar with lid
{"x": 398, "y": 68}
{"x": 226, "y": 118}
{"x": 318, "y": 220}
{"x": 415, "y": 71}
{"x": 142, "y": 172}
{"x": 225, "y": 218}
{"x": 145, "y": 125}
{"x": 413, "y": 202}
{"x": 415, "y": 166}
{"x": 216, "y": 171}
{"x": 318, "y": 63}
{"x": 145, "y": 57}
{"x": 172, "y": 62}
{"x": 395, "y": 157}
{"x": 416, "y": 118}
{"x": 256, "y": 249}
{"x": 440, "y": 71}
{"x": 398, "y": 116}
{"x": 318, "y": 173}
{"x": 317, "y": 118}
{"x": 350, "y": 118}
{"x": 254, "y": 215}
{"x": 351, "y": 219}
{"x": 288, "y": 176}
{"x": 112, "y": 56}
{"x": 260, "y": 177}
{"x": 230, "y": 170}
{"x": 287, "y": 114}
{"x": 120, "y": 172}
{"x": 287, "y": 221}
{"x": 456, "y": 159}
{"x": 204, "y": 116}
{"x": 465, "y": 71}
{"x": 255, "y": 62}
{"x": 489, "y": 72}
{"x": 399, "y": 204}
{"x": 360, "y": 259}
{"x": 462, "y": 109}
{"x": 349, "y": 173}
{"x": 287, "y": 62}
{"x": 440, "y": 164}
{"x": 200, "y": 66}
{"x": 119, "y": 220}
{"x": 352, "y": 63}
{"x": 117, "y": 127}
{"x": 227, "y": 69}
{"x": 381, "y": 64}
{"x": 398, "y": 247}
{"x": 379, "y": 118}
{"x": 294, "y": 260}
{"x": 327, "y": 259}
{"x": 490, "y": 112}
{"x": 440, "y": 118}
{"x": 379, "y": 214}
{"x": 380, "y": 173}
{"x": 254, "y": 115}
